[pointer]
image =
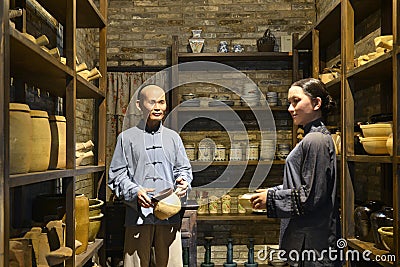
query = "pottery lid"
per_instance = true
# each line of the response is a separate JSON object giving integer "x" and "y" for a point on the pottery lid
{"x": 19, "y": 107}
{"x": 57, "y": 118}
{"x": 39, "y": 114}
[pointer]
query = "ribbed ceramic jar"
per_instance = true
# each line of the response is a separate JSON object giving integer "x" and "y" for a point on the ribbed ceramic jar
{"x": 82, "y": 222}
{"x": 58, "y": 154}
{"x": 20, "y": 138}
{"x": 41, "y": 141}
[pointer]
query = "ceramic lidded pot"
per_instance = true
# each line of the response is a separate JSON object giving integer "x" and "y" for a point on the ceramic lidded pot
{"x": 267, "y": 42}
{"x": 196, "y": 42}
{"x": 381, "y": 218}
{"x": 58, "y": 152}
{"x": 362, "y": 221}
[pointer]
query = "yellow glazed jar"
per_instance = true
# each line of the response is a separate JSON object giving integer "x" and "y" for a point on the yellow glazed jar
{"x": 20, "y": 138}
{"x": 41, "y": 141}
{"x": 58, "y": 154}
{"x": 82, "y": 222}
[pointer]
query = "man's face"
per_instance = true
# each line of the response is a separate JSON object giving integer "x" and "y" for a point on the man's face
{"x": 153, "y": 103}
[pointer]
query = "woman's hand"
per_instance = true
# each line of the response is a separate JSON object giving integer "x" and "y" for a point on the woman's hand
{"x": 143, "y": 198}
{"x": 182, "y": 187}
{"x": 259, "y": 201}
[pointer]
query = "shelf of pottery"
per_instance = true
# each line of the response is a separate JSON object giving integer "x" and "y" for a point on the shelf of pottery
{"x": 367, "y": 151}
{"x": 42, "y": 147}
{"x": 38, "y": 141}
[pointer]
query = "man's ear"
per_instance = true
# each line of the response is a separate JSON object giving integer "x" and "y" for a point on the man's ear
{"x": 138, "y": 105}
{"x": 317, "y": 103}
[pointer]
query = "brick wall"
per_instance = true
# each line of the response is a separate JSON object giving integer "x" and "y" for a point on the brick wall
{"x": 140, "y": 32}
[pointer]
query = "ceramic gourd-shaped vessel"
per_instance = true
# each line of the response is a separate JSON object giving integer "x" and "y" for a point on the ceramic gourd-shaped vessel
{"x": 41, "y": 141}
{"x": 20, "y": 138}
{"x": 82, "y": 222}
{"x": 58, "y": 154}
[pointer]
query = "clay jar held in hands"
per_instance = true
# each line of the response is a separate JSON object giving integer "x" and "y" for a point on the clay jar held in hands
{"x": 167, "y": 203}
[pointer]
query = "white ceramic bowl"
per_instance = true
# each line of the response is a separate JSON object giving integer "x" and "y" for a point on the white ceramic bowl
{"x": 375, "y": 145}
{"x": 376, "y": 129}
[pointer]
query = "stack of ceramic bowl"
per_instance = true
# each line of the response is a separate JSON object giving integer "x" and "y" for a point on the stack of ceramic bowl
{"x": 375, "y": 138}
{"x": 272, "y": 98}
{"x": 251, "y": 95}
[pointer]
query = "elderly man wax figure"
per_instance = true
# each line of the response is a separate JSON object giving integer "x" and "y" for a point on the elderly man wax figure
{"x": 147, "y": 159}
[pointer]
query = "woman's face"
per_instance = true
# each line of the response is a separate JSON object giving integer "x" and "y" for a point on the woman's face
{"x": 302, "y": 108}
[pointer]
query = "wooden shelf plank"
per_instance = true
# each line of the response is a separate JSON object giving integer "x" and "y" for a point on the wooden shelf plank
{"x": 32, "y": 64}
{"x": 379, "y": 69}
{"x": 238, "y": 163}
{"x": 362, "y": 246}
{"x": 82, "y": 170}
{"x": 37, "y": 177}
{"x": 82, "y": 259}
{"x": 368, "y": 159}
{"x": 85, "y": 89}
{"x": 237, "y": 217}
{"x": 245, "y": 56}
{"x": 230, "y": 108}
{"x": 88, "y": 15}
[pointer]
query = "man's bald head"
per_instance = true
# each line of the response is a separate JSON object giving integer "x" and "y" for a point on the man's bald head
{"x": 144, "y": 91}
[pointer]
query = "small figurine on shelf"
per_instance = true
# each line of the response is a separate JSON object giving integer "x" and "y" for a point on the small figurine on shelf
{"x": 83, "y": 151}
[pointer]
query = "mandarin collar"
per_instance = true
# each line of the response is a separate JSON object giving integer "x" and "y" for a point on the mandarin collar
{"x": 314, "y": 124}
{"x": 142, "y": 126}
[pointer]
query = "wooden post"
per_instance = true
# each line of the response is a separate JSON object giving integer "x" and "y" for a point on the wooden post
{"x": 396, "y": 114}
{"x": 4, "y": 133}
{"x": 70, "y": 99}
{"x": 315, "y": 53}
{"x": 347, "y": 117}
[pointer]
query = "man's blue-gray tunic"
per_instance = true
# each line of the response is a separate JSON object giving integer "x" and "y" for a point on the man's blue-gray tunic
{"x": 147, "y": 160}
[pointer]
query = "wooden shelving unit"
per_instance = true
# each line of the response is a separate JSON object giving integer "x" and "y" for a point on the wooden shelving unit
{"x": 20, "y": 58}
{"x": 338, "y": 25}
{"x": 268, "y": 59}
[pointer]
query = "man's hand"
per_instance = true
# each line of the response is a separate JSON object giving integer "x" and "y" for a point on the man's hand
{"x": 143, "y": 198}
{"x": 182, "y": 187}
{"x": 259, "y": 200}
